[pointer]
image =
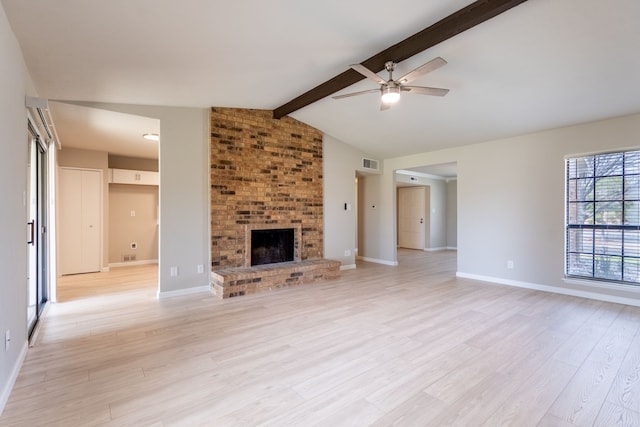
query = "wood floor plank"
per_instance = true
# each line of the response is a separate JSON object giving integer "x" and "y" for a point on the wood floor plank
{"x": 356, "y": 414}
{"x": 612, "y": 415}
{"x": 551, "y": 421}
{"x": 418, "y": 410}
{"x": 577, "y": 348}
{"x": 474, "y": 404}
{"x": 531, "y": 401}
{"x": 343, "y": 395}
{"x": 416, "y": 377}
{"x": 625, "y": 390}
{"x": 581, "y": 400}
{"x": 535, "y": 353}
{"x": 268, "y": 407}
{"x": 375, "y": 354}
{"x": 407, "y": 345}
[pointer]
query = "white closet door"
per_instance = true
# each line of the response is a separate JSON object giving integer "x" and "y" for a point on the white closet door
{"x": 91, "y": 231}
{"x": 411, "y": 217}
{"x": 80, "y": 199}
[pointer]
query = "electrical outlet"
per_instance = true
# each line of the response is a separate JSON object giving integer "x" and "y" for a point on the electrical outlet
{"x": 200, "y": 268}
{"x": 7, "y": 340}
{"x": 173, "y": 271}
{"x": 510, "y": 264}
{"x": 133, "y": 213}
{"x": 347, "y": 253}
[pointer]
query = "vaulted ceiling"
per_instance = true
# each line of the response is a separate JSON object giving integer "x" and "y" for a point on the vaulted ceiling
{"x": 540, "y": 65}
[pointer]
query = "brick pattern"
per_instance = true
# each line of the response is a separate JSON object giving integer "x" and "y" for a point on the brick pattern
{"x": 263, "y": 171}
{"x": 233, "y": 282}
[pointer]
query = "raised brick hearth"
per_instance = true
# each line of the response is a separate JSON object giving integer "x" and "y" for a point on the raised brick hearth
{"x": 232, "y": 282}
{"x": 265, "y": 173}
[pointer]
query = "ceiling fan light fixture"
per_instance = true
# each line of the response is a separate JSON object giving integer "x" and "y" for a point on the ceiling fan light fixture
{"x": 390, "y": 89}
{"x": 390, "y": 94}
{"x": 151, "y": 136}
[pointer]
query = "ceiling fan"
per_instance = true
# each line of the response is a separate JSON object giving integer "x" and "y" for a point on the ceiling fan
{"x": 391, "y": 89}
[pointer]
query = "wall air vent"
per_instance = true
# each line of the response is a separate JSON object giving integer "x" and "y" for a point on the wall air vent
{"x": 370, "y": 164}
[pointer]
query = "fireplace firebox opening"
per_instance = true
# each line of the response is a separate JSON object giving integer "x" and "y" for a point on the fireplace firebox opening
{"x": 272, "y": 246}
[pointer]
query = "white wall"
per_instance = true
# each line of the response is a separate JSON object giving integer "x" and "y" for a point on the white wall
{"x": 377, "y": 218}
{"x": 184, "y": 197}
{"x": 133, "y": 163}
{"x": 340, "y": 163}
{"x": 14, "y": 85}
{"x": 511, "y": 203}
{"x": 452, "y": 214}
{"x": 141, "y": 228}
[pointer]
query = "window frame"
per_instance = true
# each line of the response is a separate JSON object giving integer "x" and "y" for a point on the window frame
{"x": 622, "y": 228}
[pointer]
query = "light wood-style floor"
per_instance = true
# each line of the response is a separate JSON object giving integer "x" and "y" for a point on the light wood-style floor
{"x": 404, "y": 346}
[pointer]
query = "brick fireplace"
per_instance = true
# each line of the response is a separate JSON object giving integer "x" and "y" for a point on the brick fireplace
{"x": 265, "y": 174}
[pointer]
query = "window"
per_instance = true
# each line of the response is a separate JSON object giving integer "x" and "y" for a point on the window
{"x": 603, "y": 217}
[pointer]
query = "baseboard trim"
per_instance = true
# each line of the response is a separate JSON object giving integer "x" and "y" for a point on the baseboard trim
{"x": 132, "y": 263}
{"x": 379, "y": 261}
{"x": 348, "y": 267}
{"x": 183, "y": 292}
{"x": 6, "y": 392}
{"x": 553, "y": 289}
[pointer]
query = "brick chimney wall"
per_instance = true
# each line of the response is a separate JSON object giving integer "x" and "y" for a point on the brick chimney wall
{"x": 263, "y": 172}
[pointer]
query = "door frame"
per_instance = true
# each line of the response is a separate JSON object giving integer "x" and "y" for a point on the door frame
{"x": 38, "y": 209}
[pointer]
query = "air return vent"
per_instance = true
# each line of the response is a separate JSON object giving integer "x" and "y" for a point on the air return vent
{"x": 370, "y": 164}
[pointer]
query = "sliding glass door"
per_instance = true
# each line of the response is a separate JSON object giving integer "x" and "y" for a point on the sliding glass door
{"x": 37, "y": 223}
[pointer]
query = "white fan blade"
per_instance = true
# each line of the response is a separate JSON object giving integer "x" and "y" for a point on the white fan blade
{"x": 368, "y": 73}
{"x": 346, "y": 95}
{"x": 434, "y": 91}
{"x": 423, "y": 69}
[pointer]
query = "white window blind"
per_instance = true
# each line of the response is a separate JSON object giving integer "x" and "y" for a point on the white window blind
{"x": 603, "y": 217}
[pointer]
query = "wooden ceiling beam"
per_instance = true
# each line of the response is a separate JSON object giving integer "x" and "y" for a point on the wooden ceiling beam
{"x": 454, "y": 24}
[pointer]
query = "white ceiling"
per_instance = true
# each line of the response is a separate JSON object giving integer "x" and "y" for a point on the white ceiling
{"x": 444, "y": 170}
{"x": 540, "y": 65}
{"x": 101, "y": 130}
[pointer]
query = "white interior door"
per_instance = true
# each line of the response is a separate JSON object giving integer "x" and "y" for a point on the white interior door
{"x": 80, "y": 201}
{"x": 411, "y": 217}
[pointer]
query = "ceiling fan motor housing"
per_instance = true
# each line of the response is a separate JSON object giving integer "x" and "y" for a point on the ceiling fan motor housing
{"x": 390, "y": 92}
{"x": 390, "y": 66}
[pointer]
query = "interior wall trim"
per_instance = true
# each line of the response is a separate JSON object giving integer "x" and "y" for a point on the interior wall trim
{"x": 599, "y": 296}
{"x": 6, "y": 392}
{"x": 183, "y": 292}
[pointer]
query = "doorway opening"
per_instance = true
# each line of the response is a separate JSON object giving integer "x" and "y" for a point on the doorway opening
{"x": 426, "y": 208}
{"x": 108, "y": 199}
